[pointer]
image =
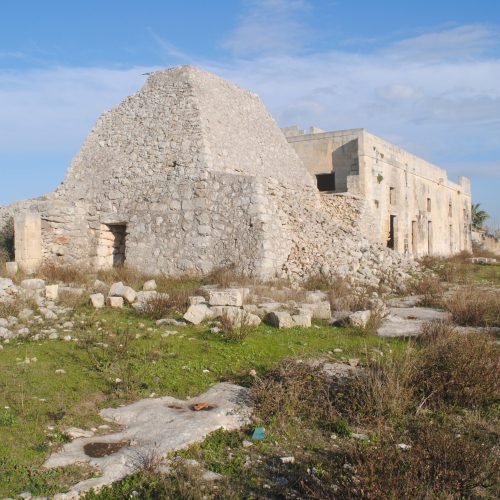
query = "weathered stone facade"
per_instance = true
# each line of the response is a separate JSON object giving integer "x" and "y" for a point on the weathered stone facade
{"x": 409, "y": 203}
{"x": 192, "y": 173}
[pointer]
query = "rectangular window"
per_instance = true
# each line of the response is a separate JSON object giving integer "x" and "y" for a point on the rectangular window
{"x": 428, "y": 205}
{"x": 392, "y": 196}
{"x": 326, "y": 182}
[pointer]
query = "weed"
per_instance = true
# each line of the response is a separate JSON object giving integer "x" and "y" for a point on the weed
{"x": 457, "y": 369}
{"x": 55, "y": 273}
{"x": 473, "y": 306}
{"x": 7, "y": 241}
{"x": 235, "y": 329}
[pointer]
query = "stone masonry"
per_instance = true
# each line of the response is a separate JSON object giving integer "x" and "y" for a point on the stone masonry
{"x": 192, "y": 173}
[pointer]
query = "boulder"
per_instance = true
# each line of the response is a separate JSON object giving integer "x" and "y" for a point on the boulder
{"x": 359, "y": 318}
{"x": 5, "y": 283}
{"x": 5, "y": 333}
{"x": 319, "y": 310}
{"x": 116, "y": 302}
{"x": 129, "y": 295}
{"x": 302, "y": 319}
{"x": 97, "y": 300}
{"x": 117, "y": 290}
{"x": 280, "y": 319}
{"x": 229, "y": 297}
{"x": 197, "y": 313}
{"x": 197, "y": 299}
{"x": 145, "y": 296}
{"x": 149, "y": 286}
{"x": 52, "y": 292}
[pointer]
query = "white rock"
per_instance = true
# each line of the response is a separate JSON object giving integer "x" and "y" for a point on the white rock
{"x": 149, "y": 286}
{"x": 279, "y": 319}
{"x": 5, "y": 333}
{"x": 117, "y": 290}
{"x": 11, "y": 268}
{"x": 229, "y": 297}
{"x": 129, "y": 295}
{"x": 146, "y": 296}
{"x": 198, "y": 313}
{"x": 52, "y": 292}
{"x": 303, "y": 320}
{"x": 359, "y": 318}
{"x": 195, "y": 300}
{"x": 97, "y": 300}
{"x": 115, "y": 302}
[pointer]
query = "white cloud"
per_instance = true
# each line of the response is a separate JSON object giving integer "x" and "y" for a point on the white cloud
{"x": 269, "y": 26}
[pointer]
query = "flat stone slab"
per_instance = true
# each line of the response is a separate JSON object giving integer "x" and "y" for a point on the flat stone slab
{"x": 408, "y": 321}
{"x": 157, "y": 426}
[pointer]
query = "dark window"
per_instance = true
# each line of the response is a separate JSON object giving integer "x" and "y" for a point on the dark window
{"x": 391, "y": 241}
{"x": 326, "y": 182}
{"x": 428, "y": 205}
{"x": 392, "y": 196}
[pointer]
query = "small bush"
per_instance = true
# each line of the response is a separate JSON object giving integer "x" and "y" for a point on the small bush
{"x": 473, "y": 306}
{"x": 430, "y": 287}
{"x": 7, "y": 241}
{"x": 11, "y": 308}
{"x": 318, "y": 282}
{"x": 237, "y": 330}
{"x": 295, "y": 390}
{"x": 383, "y": 389}
{"x": 64, "y": 274}
{"x": 437, "y": 465}
{"x": 226, "y": 277}
{"x": 456, "y": 368}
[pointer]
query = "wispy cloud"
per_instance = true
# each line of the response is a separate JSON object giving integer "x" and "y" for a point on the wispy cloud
{"x": 269, "y": 26}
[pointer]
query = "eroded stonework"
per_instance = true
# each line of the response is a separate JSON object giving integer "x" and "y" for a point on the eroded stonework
{"x": 192, "y": 173}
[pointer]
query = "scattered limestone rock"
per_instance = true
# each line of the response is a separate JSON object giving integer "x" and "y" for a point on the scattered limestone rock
{"x": 359, "y": 318}
{"x": 52, "y": 292}
{"x": 129, "y": 295}
{"x": 149, "y": 286}
{"x": 319, "y": 310}
{"x": 197, "y": 313}
{"x": 279, "y": 319}
{"x": 195, "y": 300}
{"x": 97, "y": 300}
{"x": 5, "y": 333}
{"x": 302, "y": 319}
{"x": 115, "y": 302}
{"x": 229, "y": 297}
{"x": 117, "y": 290}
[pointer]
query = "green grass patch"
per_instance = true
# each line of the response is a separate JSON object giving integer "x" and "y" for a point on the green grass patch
{"x": 120, "y": 357}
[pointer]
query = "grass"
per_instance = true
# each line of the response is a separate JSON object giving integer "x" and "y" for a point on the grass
{"x": 145, "y": 365}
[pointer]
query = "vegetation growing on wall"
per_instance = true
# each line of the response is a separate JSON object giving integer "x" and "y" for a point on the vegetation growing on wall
{"x": 7, "y": 241}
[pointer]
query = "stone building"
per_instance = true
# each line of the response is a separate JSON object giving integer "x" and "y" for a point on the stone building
{"x": 189, "y": 174}
{"x": 407, "y": 203}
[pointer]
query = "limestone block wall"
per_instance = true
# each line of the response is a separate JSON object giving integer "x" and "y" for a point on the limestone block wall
{"x": 410, "y": 203}
{"x": 431, "y": 215}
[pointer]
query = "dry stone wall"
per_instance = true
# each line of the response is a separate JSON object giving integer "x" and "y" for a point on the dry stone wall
{"x": 192, "y": 173}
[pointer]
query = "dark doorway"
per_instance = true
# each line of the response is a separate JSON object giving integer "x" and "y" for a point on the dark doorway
{"x": 119, "y": 232}
{"x": 391, "y": 242}
{"x": 326, "y": 182}
{"x": 414, "y": 238}
{"x": 429, "y": 237}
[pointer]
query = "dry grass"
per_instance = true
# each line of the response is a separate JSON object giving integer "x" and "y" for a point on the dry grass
{"x": 454, "y": 269}
{"x": 431, "y": 289}
{"x": 457, "y": 368}
{"x": 226, "y": 277}
{"x": 474, "y": 306}
{"x": 438, "y": 464}
{"x": 11, "y": 308}
{"x": 294, "y": 390}
{"x": 64, "y": 274}
{"x": 235, "y": 330}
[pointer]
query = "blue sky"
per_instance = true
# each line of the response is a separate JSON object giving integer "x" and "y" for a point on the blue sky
{"x": 425, "y": 75}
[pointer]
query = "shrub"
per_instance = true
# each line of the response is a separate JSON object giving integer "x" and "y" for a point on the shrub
{"x": 383, "y": 389}
{"x": 437, "y": 465}
{"x": 7, "y": 241}
{"x": 430, "y": 287}
{"x": 226, "y": 277}
{"x": 473, "y": 306}
{"x": 456, "y": 368}
{"x": 295, "y": 389}
{"x": 65, "y": 274}
{"x": 235, "y": 330}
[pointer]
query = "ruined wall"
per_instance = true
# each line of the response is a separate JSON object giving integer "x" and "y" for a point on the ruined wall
{"x": 432, "y": 214}
{"x": 394, "y": 184}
